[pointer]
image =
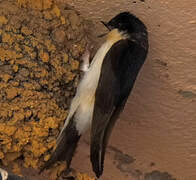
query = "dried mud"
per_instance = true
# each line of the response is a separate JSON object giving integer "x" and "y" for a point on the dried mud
{"x": 40, "y": 47}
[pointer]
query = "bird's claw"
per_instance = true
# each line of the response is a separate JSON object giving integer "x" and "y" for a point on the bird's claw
{"x": 86, "y": 58}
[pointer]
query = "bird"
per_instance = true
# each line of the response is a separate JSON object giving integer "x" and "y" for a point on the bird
{"x": 4, "y": 175}
{"x": 103, "y": 90}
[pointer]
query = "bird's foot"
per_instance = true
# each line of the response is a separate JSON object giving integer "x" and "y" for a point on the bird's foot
{"x": 86, "y": 58}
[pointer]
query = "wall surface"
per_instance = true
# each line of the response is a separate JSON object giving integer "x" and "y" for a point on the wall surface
{"x": 157, "y": 130}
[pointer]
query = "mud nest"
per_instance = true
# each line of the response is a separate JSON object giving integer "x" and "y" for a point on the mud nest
{"x": 40, "y": 50}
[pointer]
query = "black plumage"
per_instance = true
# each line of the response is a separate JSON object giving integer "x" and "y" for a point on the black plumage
{"x": 121, "y": 63}
{"x": 66, "y": 147}
{"x": 120, "y": 68}
{"x": 119, "y": 71}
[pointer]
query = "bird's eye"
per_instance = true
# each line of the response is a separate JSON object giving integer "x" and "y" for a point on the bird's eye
{"x": 119, "y": 24}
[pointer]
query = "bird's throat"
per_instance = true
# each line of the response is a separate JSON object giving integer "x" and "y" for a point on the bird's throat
{"x": 115, "y": 35}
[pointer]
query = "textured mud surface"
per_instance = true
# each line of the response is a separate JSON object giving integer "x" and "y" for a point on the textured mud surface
{"x": 157, "y": 128}
{"x": 40, "y": 49}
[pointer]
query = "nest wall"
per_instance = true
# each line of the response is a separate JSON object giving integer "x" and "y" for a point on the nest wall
{"x": 40, "y": 47}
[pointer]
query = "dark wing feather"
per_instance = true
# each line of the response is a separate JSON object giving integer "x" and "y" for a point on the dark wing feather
{"x": 66, "y": 146}
{"x": 118, "y": 74}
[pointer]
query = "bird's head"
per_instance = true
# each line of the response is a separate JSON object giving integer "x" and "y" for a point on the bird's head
{"x": 126, "y": 22}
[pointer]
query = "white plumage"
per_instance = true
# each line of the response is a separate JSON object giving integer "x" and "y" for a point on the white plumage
{"x": 83, "y": 102}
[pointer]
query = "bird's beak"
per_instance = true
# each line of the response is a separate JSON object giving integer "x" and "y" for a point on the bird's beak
{"x": 106, "y": 25}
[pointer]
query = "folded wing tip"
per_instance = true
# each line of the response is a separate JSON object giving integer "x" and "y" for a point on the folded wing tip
{"x": 96, "y": 161}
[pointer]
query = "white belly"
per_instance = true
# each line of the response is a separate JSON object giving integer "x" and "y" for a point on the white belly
{"x": 85, "y": 95}
{"x": 83, "y": 102}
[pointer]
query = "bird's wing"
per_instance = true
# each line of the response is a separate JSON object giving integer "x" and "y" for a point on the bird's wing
{"x": 66, "y": 146}
{"x": 119, "y": 71}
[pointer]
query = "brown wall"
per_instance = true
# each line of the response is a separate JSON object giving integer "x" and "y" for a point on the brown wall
{"x": 158, "y": 126}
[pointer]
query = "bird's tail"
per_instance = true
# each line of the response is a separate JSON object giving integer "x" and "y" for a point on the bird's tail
{"x": 67, "y": 143}
{"x": 98, "y": 149}
{"x": 99, "y": 140}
